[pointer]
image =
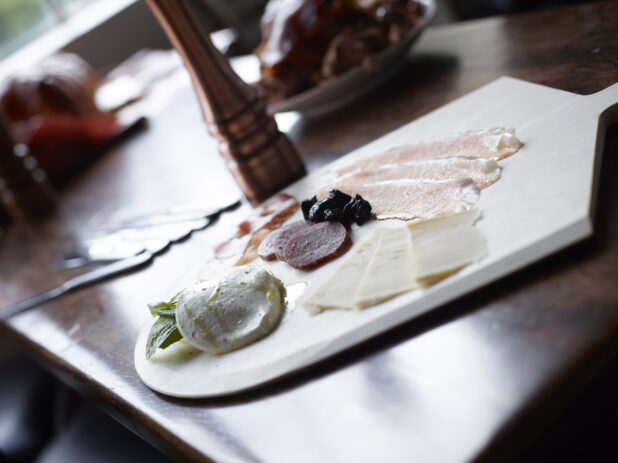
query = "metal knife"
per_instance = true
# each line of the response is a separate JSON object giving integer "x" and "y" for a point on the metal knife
{"x": 77, "y": 282}
{"x": 152, "y": 233}
{"x": 147, "y": 246}
{"x": 172, "y": 216}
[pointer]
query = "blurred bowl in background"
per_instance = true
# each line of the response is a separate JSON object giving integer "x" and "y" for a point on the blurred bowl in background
{"x": 339, "y": 90}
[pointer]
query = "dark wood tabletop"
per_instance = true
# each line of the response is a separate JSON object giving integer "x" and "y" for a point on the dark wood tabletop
{"x": 477, "y": 378}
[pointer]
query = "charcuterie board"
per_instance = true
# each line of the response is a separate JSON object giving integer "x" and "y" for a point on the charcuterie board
{"x": 544, "y": 202}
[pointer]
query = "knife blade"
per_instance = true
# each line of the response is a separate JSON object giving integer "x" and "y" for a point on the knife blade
{"x": 77, "y": 282}
{"x": 142, "y": 256}
{"x": 151, "y": 232}
{"x": 172, "y": 216}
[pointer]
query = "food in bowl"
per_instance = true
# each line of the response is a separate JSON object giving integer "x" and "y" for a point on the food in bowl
{"x": 309, "y": 42}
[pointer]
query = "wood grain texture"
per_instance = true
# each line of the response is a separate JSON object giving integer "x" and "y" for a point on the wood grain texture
{"x": 476, "y": 379}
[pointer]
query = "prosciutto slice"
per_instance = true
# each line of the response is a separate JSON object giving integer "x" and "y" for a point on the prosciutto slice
{"x": 417, "y": 199}
{"x": 497, "y": 143}
{"x": 483, "y": 172}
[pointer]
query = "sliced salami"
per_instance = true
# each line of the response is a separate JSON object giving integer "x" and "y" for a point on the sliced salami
{"x": 273, "y": 245}
{"x": 316, "y": 245}
{"x": 284, "y": 238}
{"x": 251, "y": 232}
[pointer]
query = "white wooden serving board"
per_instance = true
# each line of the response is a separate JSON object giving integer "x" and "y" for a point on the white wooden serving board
{"x": 543, "y": 202}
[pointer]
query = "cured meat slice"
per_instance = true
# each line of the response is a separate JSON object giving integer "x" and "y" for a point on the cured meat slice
{"x": 273, "y": 245}
{"x": 250, "y": 253}
{"x": 233, "y": 247}
{"x": 483, "y": 172}
{"x": 266, "y": 249}
{"x": 284, "y": 238}
{"x": 412, "y": 199}
{"x": 270, "y": 215}
{"x": 316, "y": 245}
{"x": 497, "y": 143}
{"x": 255, "y": 228}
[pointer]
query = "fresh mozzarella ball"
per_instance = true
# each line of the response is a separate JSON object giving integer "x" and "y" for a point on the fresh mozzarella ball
{"x": 244, "y": 306}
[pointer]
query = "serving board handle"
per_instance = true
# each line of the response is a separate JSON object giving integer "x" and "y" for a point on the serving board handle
{"x": 605, "y": 103}
{"x": 602, "y": 110}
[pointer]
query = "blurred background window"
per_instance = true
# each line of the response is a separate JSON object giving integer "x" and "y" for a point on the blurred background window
{"x": 24, "y": 20}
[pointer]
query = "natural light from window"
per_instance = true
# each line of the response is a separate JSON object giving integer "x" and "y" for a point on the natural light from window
{"x": 24, "y": 20}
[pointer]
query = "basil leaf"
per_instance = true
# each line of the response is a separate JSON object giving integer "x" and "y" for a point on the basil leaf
{"x": 163, "y": 308}
{"x": 174, "y": 300}
{"x": 162, "y": 334}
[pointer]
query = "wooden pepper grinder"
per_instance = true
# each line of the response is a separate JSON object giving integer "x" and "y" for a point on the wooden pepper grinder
{"x": 260, "y": 157}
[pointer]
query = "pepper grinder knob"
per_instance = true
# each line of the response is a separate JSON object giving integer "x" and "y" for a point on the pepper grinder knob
{"x": 260, "y": 157}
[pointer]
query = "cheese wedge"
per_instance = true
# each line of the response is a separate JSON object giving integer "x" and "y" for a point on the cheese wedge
{"x": 390, "y": 271}
{"x": 338, "y": 291}
{"x": 444, "y": 245}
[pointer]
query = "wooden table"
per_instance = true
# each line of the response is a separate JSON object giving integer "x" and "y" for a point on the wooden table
{"x": 479, "y": 377}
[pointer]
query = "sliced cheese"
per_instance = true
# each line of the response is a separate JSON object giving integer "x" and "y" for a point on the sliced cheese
{"x": 339, "y": 290}
{"x": 443, "y": 245}
{"x": 395, "y": 261}
{"x": 390, "y": 271}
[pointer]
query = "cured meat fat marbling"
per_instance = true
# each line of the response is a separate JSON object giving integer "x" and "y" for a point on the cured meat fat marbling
{"x": 418, "y": 199}
{"x": 483, "y": 172}
{"x": 431, "y": 178}
{"x": 250, "y": 232}
{"x": 496, "y": 143}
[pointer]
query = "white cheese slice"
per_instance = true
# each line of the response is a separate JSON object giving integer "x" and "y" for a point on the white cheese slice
{"x": 390, "y": 271}
{"x": 445, "y": 244}
{"x": 339, "y": 290}
{"x": 395, "y": 261}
